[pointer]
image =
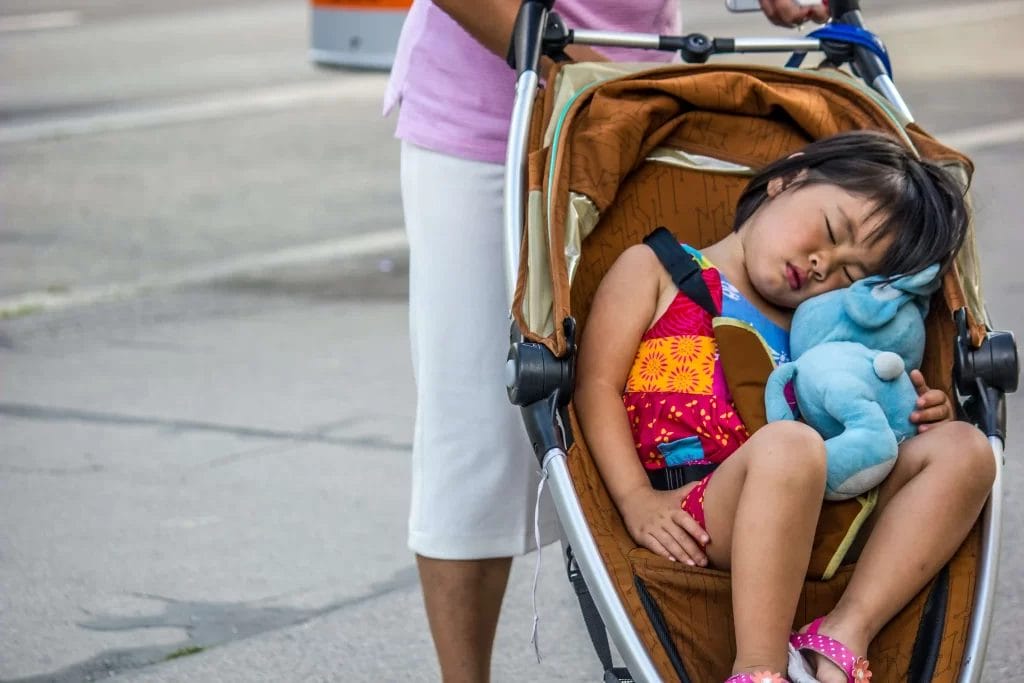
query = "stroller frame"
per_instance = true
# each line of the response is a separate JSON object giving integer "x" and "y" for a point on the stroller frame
{"x": 541, "y": 384}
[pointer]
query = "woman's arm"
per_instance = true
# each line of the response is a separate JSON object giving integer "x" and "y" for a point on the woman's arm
{"x": 624, "y": 307}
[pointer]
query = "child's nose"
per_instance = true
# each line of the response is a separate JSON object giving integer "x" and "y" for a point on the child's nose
{"x": 819, "y": 266}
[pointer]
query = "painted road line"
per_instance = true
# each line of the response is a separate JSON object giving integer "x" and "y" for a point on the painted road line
{"x": 967, "y": 140}
{"x": 929, "y": 17}
{"x": 368, "y": 87}
{"x": 348, "y": 248}
{"x": 992, "y": 135}
{"x": 39, "y": 22}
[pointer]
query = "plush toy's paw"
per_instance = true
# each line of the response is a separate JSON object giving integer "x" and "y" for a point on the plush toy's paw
{"x": 888, "y": 365}
{"x": 776, "y": 396}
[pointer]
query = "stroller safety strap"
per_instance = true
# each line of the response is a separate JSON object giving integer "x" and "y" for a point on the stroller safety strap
{"x": 851, "y": 35}
{"x": 685, "y": 271}
{"x": 674, "y": 476}
{"x": 591, "y": 617}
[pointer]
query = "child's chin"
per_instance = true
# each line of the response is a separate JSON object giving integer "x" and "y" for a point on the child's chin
{"x": 784, "y": 299}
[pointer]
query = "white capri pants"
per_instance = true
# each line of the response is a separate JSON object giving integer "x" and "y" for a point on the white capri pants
{"x": 474, "y": 474}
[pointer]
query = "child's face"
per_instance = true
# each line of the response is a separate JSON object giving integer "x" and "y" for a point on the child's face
{"x": 808, "y": 240}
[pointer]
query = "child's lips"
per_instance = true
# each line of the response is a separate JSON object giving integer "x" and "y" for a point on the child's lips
{"x": 795, "y": 277}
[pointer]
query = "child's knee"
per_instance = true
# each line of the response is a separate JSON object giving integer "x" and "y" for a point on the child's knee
{"x": 791, "y": 454}
{"x": 972, "y": 449}
{"x": 963, "y": 452}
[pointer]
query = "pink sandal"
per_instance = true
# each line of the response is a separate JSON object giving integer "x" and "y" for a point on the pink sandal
{"x": 855, "y": 667}
{"x": 756, "y": 677}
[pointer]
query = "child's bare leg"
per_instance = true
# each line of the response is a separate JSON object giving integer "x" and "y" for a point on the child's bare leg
{"x": 925, "y": 509}
{"x": 761, "y": 508}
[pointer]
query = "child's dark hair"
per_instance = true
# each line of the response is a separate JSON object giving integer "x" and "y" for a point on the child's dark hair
{"x": 922, "y": 205}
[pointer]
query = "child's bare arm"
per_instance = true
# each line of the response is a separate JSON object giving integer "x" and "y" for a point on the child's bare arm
{"x": 623, "y": 308}
{"x": 933, "y": 406}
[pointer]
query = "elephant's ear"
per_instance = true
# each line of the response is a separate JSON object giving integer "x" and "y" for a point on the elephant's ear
{"x": 746, "y": 364}
{"x": 920, "y": 286}
{"x": 923, "y": 283}
{"x": 871, "y": 302}
{"x": 874, "y": 301}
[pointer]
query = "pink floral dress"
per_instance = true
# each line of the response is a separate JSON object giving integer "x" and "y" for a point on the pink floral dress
{"x": 679, "y": 407}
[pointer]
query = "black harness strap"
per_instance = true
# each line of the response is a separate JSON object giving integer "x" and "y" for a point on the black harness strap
{"x": 682, "y": 267}
{"x": 672, "y": 477}
{"x": 591, "y": 617}
{"x": 595, "y": 625}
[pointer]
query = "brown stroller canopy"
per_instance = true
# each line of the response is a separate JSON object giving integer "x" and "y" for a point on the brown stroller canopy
{"x": 721, "y": 122}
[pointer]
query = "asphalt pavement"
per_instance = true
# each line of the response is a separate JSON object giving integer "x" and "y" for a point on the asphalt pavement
{"x": 205, "y": 396}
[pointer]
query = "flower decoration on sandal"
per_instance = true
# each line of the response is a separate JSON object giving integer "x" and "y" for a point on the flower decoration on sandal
{"x": 861, "y": 672}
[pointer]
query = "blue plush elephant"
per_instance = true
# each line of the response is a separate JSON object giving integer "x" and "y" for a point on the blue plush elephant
{"x": 852, "y": 349}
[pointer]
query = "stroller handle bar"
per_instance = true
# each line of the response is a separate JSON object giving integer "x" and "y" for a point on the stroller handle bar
{"x": 697, "y": 47}
{"x": 652, "y": 41}
{"x": 694, "y": 47}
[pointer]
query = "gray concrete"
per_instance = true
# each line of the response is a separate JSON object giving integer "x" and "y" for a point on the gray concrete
{"x": 225, "y": 466}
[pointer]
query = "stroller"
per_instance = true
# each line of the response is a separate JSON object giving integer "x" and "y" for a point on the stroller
{"x": 705, "y": 129}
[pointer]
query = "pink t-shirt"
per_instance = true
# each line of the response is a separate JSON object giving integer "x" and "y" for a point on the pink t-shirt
{"x": 456, "y": 96}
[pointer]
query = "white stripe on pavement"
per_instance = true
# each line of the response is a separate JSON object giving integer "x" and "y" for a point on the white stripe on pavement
{"x": 974, "y": 139}
{"x": 39, "y": 22}
{"x": 368, "y": 87}
{"x": 966, "y": 140}
{"x": 930, "y": 17}
{"x": 347, "y": 248}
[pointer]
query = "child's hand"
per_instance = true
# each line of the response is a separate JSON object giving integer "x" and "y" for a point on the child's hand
{"x": 656, "y": 522}
{"x": 932, "y": 406}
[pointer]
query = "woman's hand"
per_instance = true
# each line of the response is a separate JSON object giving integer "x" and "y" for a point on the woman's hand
{"x": 789, "y": 14}
{"x": 656, "y": 522}
{"x": 933, "y": 406}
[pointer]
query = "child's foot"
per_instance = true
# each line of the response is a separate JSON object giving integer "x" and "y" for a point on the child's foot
{"x": 832, "y": 653}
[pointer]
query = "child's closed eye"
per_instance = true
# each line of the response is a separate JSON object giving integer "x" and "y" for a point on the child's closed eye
{"x": 832, "y": 239}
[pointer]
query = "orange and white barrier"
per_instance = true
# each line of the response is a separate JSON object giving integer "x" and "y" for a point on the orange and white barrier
{"x": 356, "y": 33}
